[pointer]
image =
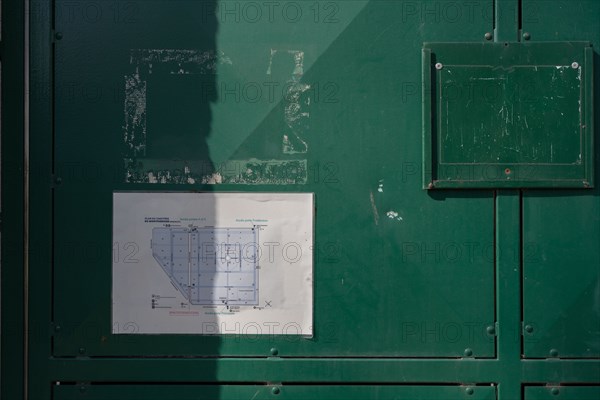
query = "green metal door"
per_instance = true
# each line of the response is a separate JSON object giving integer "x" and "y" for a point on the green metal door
{"x": 434, "y": 269}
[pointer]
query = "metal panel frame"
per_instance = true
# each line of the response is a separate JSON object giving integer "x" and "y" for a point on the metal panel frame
{"x": 12, "y": 53}
{"x": 261, "y": 392}
{"x": 525, "y": 175}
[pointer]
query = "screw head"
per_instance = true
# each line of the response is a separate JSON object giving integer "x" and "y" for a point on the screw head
{"x": 58, "y": 35}
{"x": 275, "y": 390}
{"x": 553, "y": 353}
{"x": 575, "y": 65}
{"x": 489, "y": 36}
{"x": 555, "y": 391}
{"x": 81, "y": 350}
{"x": 274, "y": 351}
{"x": 57, "y": 328}
{"x": 526, "y": 36}
{"x": 468, "y": 352}
{"x": 469, "y": 391}
{"x": 82, "y": 388}
{"x": 491, "y": 330}
{"x": 58, "y": 180}
{"x": 528, "y": 328}
{"x": 439, "y": 66}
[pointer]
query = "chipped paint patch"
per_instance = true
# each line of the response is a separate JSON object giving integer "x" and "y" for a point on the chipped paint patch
{"x": 380, "y": 188}
{"x": 394, "y": 216}
{"x": 234, "y": 172}
{"x": 374, "y": 208}
{"x": 177, "y": 61}
{"x": 296, "y": 114}
{"x": 212, "y": 179}
{"x": 135, "y": 115}
{"x": 152, "y": 178}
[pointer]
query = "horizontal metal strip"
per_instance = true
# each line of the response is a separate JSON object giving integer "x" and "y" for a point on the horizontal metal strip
{"x": 321, "y": 370}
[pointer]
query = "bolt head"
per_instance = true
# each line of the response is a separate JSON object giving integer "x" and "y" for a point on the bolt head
{"x": 553, "y": 353}
{"x": 274, "y": 351}
{"x": 468, "y": 352}
{"x": 489, "y": 36}
{"x": 575, "y": 65}
{"x": 555, "y": 391}
{"x": 58, "y": 35}
{"x": 528, "y": 328}
{"x": 469, "y": 391}
{"x": 439, "y": 66}
{"x": 526, "y": 36}
{"x": 275, "y": 390}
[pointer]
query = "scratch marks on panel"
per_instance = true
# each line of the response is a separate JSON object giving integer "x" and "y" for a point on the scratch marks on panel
{"x": 374, "y": 208}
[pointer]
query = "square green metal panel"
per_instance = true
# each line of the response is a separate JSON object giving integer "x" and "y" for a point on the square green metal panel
{"x": 562, "y": 392}
{"x": 507, "y": 115}
{"x": 396, "y": 269}
{"x": 561, "y": 278}
{"x": 260, "y": 392}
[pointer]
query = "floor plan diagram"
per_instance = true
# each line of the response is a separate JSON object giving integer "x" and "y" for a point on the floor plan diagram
{"x": 210, "y": 265}
{"x": 213, "y": 263}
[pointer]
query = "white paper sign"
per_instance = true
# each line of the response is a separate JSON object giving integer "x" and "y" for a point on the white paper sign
{"x": 212, "y": 263}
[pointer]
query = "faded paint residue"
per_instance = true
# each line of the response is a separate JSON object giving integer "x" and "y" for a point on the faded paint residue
{"x": 166, "y": 61}
{"x": 296, "y": 114}
{"x": 180, "y": 61}
{"x": 212, "y": 179}
{"x": 152, "y": 178}
{"x": 380, "y": 188}
{"x": 234, "y": 172}
{"x": 135, "y": 115}
{"x": 270, "y": 69}
{"x": 394, "y": 216}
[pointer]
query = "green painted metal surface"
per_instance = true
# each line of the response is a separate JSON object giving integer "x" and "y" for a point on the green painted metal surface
{"x": 418, "y": 294}
{"x": 560, "y": 310}
{"x": 12, "y": 279}
{"x": 562, "y": 392}
{"x": 180, "y": 392}
{"x": 308, "y": 121}
{"x": 508, "y": 115}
